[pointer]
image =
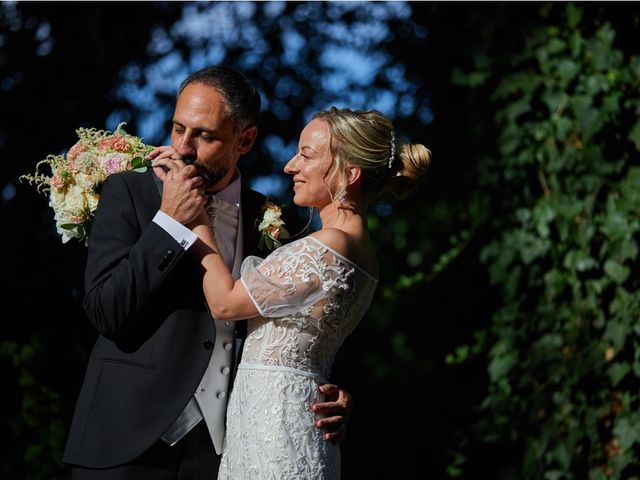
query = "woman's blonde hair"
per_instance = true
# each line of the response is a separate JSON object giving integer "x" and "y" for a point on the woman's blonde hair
{"x": 366, "y": 139}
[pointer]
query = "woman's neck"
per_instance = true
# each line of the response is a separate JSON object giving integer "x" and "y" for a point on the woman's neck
{"x": 347, "y": 218}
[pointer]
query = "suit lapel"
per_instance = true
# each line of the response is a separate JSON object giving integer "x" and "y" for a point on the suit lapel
{"x": 252, "y": 203}
{"x": 157, "y": 181}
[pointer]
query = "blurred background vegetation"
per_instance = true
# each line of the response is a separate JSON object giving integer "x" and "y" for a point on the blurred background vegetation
{"x": 504, "y": 339}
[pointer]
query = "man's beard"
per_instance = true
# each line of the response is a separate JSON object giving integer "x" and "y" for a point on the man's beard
{"x": 210, "y": 174}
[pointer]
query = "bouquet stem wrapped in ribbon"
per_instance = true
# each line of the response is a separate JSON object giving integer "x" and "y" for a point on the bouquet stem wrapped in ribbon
{"x": 75, "y": 180}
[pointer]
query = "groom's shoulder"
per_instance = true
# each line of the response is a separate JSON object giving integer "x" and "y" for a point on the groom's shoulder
{"x": 132, "y": 177}
{"x": 254, "y": 195}
{"x": 252, "y": 200}
{"x": 294, "y": 221}
{"x": 130, "y": 183}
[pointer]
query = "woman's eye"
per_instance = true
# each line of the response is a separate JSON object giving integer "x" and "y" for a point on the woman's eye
{"x": 300, "y": 154}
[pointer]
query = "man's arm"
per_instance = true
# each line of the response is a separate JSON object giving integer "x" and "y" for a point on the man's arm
{"x": 129, "y": 256}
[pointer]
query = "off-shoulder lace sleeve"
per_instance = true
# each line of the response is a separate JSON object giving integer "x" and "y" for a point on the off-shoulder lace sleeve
{"x": 289, "y": 280}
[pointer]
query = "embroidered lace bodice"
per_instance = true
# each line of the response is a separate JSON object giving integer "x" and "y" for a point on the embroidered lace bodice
{"x": 310, "y": 298}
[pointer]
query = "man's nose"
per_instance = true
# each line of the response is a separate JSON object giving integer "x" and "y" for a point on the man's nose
{"x": 185, "y": 146}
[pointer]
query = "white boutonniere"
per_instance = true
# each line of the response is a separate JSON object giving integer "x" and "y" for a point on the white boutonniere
{"x": 271, "y": 227}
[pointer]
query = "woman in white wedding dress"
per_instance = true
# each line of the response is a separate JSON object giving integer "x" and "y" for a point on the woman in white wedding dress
{"x": 306, "y": 297}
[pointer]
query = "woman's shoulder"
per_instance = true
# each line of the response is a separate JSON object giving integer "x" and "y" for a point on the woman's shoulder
{"x": 336, "y": 239}
{"x": 348, "y": 247}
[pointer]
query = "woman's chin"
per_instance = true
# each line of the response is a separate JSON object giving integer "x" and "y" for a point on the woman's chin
{"x": 300, "y": 202}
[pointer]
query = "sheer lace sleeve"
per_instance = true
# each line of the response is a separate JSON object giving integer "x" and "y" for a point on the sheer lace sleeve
{"x": 289, "y": 280}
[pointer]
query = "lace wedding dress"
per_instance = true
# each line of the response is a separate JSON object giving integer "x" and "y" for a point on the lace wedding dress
{"x": 310, "y": 298}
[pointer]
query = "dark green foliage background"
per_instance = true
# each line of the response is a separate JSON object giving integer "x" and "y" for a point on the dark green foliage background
{"x": 504, "y": 338}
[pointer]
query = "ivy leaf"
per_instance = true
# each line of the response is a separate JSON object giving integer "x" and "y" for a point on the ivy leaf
{"x": 574, "y": 15}
{"x": 501, "y": 365}
{"x": 556, "y": 45}
{"x": 617, "y": 372}
{"x": 634, "y": 135}
{"x": 616, "y": 225}
{"x": 579, "y": 260}
{"x": 563, "y": 127}
{"x": 552, "y": 99}
{"x": 471, "y": 79}
{"x": 555, "y": 282}
{"x": 618, "y": 273}
{"x": 615, "y": 333}
{"x": 567, "y": 70}
{"x": 626, "y": 433}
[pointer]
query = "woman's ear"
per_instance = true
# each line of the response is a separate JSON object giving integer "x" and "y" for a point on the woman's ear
{"x": 353, "y": 175}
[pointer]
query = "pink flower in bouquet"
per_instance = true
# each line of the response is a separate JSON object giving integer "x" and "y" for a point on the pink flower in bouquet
{"x": 117, "y": 143}
{"x": 74, "y": 151}
{"x": 113, "y": 162}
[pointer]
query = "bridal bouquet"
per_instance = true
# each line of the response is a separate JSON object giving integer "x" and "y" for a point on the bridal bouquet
{"x": 75, "y": 180}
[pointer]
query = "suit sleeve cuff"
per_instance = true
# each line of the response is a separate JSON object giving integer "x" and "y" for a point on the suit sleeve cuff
{"x": 181, "y": 234}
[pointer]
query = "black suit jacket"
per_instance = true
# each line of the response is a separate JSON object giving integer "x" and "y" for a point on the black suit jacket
{"x": 143, "y": 293}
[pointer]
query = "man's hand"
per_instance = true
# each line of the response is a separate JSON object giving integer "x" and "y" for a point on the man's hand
{"x": 156, "y": 158}
{"x": 182, "y": 193}
{"x": 335, "y": 412}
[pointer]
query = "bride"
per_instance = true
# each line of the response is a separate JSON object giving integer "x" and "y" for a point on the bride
{"x": 307, "y": 296}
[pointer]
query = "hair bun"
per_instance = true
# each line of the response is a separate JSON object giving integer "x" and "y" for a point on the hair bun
{"x": 414, "y": 161}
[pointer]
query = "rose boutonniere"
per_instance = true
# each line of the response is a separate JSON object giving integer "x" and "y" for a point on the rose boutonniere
{"x": 76, "y": 178}
{"x": 271, "y": 227}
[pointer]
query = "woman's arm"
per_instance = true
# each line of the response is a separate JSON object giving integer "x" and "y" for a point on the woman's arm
{"x": 226, "y": 297}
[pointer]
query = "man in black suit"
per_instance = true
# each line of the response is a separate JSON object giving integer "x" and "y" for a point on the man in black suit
{"x": 153, "y": 401}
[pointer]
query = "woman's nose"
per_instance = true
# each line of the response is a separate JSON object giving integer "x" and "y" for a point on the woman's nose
{"x": 290, "y": 166}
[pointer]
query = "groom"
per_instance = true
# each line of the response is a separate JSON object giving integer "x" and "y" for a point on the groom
{"x": 153, "y": 401}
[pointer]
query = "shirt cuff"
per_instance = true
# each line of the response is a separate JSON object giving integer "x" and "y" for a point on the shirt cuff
{"x": 181, "y": 234}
